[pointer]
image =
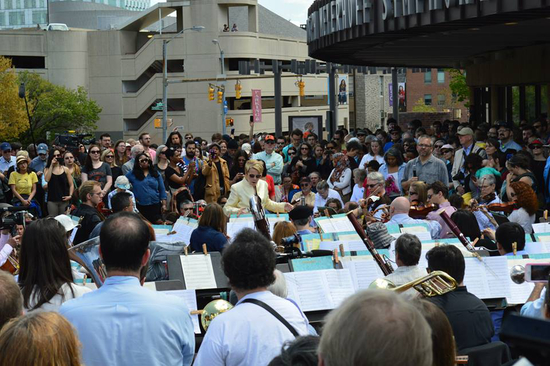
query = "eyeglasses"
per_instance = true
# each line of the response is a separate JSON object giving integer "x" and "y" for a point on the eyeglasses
{"x": 430, "y": 196}
{"x": 438, "y": 146}
{"x": 187, "y": 208}
{"x": 41, "y": 154}
{"x": 292, "y": 153}
{"x": 304, "y": 185}
{"x": 535, "y": 146}
{"x": 252, "y": 176}
{"x": 91, "y": 152}
{"x": 109, "y": 156}
{"x": 424, "y": 146}
{"x": 6, "y": 151}
{"x": 144, "y": 160}
{"x": 413, "y": 193}
{"x": 372, "y": 185}
{"x": 304, "y": 148}
{"x": 485, "y": 187}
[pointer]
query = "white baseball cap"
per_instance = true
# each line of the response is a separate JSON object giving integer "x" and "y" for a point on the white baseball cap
{"x": 66, "y": 221}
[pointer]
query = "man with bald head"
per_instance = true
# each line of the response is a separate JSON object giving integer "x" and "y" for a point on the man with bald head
{"x": 399, "y": 213}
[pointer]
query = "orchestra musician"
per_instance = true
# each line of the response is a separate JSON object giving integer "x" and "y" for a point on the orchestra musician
{"x": 399, "y": 213}
{"x": 418, "y": 194}
{"x": 239, "y": 199}
{"x": 437, "y": 195}
{"x": 376, "y": 200}
{"x": 90, "y": 194}
{"x": 527, "y": 204}
{"x": 487, "y": 197}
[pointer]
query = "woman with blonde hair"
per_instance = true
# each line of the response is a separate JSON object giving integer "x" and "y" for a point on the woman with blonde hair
{"x": 39, "y": 339}
{"x": 108, "y": 157}
{"x": 418, "y": 193}
{"x": 252, "y": 184}
{"x": 211, "y": 230}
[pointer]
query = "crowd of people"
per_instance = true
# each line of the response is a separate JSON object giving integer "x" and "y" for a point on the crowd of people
{"x": 492, "y": 180}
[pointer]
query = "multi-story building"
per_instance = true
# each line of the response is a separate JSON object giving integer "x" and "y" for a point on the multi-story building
{"x": 122, "y": 68}
{"x": 30, "y": 13}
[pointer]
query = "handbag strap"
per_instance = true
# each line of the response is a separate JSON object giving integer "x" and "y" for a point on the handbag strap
{"x": 274, "y": 313}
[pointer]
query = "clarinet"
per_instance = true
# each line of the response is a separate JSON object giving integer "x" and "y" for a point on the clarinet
{"x": 260, "y": 221}
{"x": 382, "y": 262}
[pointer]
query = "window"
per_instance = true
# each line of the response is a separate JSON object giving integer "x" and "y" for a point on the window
{"x": 440, "y": 76}
{"x": 441, "y": 99}
{"x": 428, "y": 77}
{"x": 29, "y": 4}
{"x": 39, "y": 17}
{"x": 427, "y": 99}
{"x": 17, "y": 18}
{"x": 8, "y": 4}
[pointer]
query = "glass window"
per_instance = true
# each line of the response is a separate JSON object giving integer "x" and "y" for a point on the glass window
{"x": 29, "y": 4}
{"x": 17, "y": 17}
{"x": 39, "y": 17}
{"x": 428, "y": 77}
{"x": 8, "y": 4}
{"x": 441, "y": 99}
{"x": 2, "y": 20}
{"x": 427, "y": 99}
{"x": 440, "y": 76}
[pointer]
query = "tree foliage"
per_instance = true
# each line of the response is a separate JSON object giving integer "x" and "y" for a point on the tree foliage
{"x": 458, "y": 86}
{"x": 419, "y": 106}
{"x": 13, "y": 118}
{"x": 58, "y": 109}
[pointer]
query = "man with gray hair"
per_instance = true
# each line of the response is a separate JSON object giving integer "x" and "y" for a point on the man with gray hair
{"x": 11, "y": 301}
{"x": 129, "y": 165}
{"x": 375, "y": 187}
{"x": 324, "y": 193}
{"x": 399, "y": 213}
{"x": 408, "y": 249}
{"x": 368, "y": 326}
{"x": 426, "y": 167}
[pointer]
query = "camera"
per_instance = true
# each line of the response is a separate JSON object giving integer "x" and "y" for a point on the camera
{"x": 290, "y": 241}
{"x": 71, "y": 141}
{"x": 459, "y": 176}
{"x": 16, "y": 218}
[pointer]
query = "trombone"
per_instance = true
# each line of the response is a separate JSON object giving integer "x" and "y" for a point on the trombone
{"x": 212, "y": 310}
{"x": 434, "y": 284}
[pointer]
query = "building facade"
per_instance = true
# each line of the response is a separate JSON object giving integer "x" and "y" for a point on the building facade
{"x": 30, "y": 13}
{"x": 122, "y": 68}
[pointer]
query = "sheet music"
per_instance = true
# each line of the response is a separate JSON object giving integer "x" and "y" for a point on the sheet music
{"x": 544, "y": 237}
{"x": 189, "y": 297}
{"x": 341, "y": 223}
{"x": 352, "y": 245}
{"x": 487, "y": 279}
{"x": 537, "y": 247}
{"x": 543, "y": 227}
{"x": 340, "y": 285}
{"x": 233, "y": 228}
{"x": 183, "y": 229}
{"x": 309, "y": 290}
{"x": 161, "y": 229}
{"x": 273, "y": 219}
{"x": 363, "y": 272}
{"x": 198, "y": 272}
{"x": 325, "y": 224}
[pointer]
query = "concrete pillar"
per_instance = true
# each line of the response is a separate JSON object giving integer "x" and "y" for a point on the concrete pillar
{"x": 495, "y": 107}
{"x": 253, "y": 19}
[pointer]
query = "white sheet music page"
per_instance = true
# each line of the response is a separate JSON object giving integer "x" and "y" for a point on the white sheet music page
{"x": 233, "y": 228}
{"x": 487, "y": 279}
{"x": 543, "y": 227}
{"x": 189, "y": 297}
{"x": 350, "y": 245}
{"x": 309, "y": 289}
{"x": 363, "y": 272}
{"x": 342, "y": 224}
{"x": 198, "y": 271}
{"x": 326, "y": 225}
{"x": 340, "y": 285}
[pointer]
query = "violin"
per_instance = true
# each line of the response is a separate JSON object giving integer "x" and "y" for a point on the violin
{"x": 420, "y": 212}
{"x": 506, "y": 208}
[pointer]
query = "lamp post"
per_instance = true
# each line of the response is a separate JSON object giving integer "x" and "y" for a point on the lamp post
{"x": 196, "y": 28}
{"x": 23, "y": 95}
{"x": 224, "y": 103}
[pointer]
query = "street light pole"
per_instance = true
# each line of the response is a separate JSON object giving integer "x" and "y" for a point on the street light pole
{"x": 23, "y": 95}
{"x": 196, "y": 28}
{"x": 224, "y": 107}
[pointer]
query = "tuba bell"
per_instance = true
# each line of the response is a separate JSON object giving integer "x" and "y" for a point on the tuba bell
{"x": 517, "y": 274}
{"x": 434, "y": 284}
{"x": 212, "y": 310}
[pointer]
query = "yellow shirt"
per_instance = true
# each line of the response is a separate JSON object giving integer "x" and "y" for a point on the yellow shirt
{"x": 23, "y": 182}
{"x": 240, "y": 198}
{"x": 310, "y": 198}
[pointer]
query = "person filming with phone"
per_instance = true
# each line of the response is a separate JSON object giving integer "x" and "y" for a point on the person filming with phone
{"x": 59, "y": 184}
{"x": 216, "y": 173}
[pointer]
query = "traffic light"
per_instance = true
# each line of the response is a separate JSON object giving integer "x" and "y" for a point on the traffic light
{"x": 302, "y": 87}
{"x": 210, "y": 92}
{"x": 220, "y": 97}
{"x": 238, "y": 88}
{"x": 229, "y": 122}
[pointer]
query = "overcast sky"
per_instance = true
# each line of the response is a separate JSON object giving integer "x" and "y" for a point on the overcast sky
{"x": 293, "y": 10}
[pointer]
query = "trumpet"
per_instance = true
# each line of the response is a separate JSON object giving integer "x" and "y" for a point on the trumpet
{"x": 212, "y": 310}
{"x": 434, "y": 284}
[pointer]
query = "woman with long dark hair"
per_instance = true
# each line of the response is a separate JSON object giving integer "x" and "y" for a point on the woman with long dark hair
{"x": 95, "y": 169}
{"x": 174, "y": 140}
{"x": 120, "y": 153}
{"x": 148, "y": 189}
{"x": 59, "y": 184}
{"x": 211, "y": 230}
{"x": 302, "y": 164}
{"x": 45, "y": 276}
{"x": 236, "y": 173}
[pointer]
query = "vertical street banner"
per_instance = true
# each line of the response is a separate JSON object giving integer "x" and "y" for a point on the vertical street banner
{"x": 257, "y": 105}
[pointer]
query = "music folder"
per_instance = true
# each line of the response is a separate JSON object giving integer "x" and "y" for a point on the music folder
{"x": 198, "y": 271}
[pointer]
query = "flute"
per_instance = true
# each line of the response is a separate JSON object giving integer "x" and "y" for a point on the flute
{"x": 382, "y": 262}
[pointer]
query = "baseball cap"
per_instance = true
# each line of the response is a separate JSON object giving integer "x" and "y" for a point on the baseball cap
{"x": 504, "y": 124}
{"x": 361, "y": 132}
{"x": 20, "y": 159}
{"x": 300, "y": 213}
{"x": 42, "y": 149}
{"x": 66, "y": 221}
{"x": 464, "y": 131}
{"x": 269, "y": 138}
{"x": 447, "y": 147}
{"x": 246, "y": 147}
{"x": 122, "y": 182}
{"x": 5, "y": 146}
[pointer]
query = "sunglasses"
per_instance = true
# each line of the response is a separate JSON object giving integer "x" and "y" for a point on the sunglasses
{"x": 91, "y": 152}
{"x": 304, "y": 185}
{"x": 7, "y": 151}
{"x": 438, "y": 146}
{"x": 304, "y": 148}
{"x": 536, "y": 146}
{"x": 144, "y": 160}
{"x": 372, "y": 185}
{"x": 252, "y": 176}
{"x": 109, "y": 156}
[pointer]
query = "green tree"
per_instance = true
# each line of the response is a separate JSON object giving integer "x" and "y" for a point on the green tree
{"x": 419, "y": 106}
{"x": 13, "y": 118}
{"x": 458, "y": 86}
{"x": 58, "y": 109}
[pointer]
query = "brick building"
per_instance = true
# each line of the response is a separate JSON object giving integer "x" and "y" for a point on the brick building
{"x": 431, "y": 88}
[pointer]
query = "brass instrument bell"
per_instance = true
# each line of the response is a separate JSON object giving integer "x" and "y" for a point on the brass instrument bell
{"x": 517, "y": 274}
{"x": 212, "y": 310}
{"x": 434, "y": 284}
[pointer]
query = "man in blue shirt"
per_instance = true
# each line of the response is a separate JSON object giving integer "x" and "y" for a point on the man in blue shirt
{"x": 123, "y": 323}
{"x": 506, "y": 137}
{"x": 190, "y": 161}
{"x": 273, "y": 161}
{"x": 399, "y": 212}
{"x": 6, "y": 160}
